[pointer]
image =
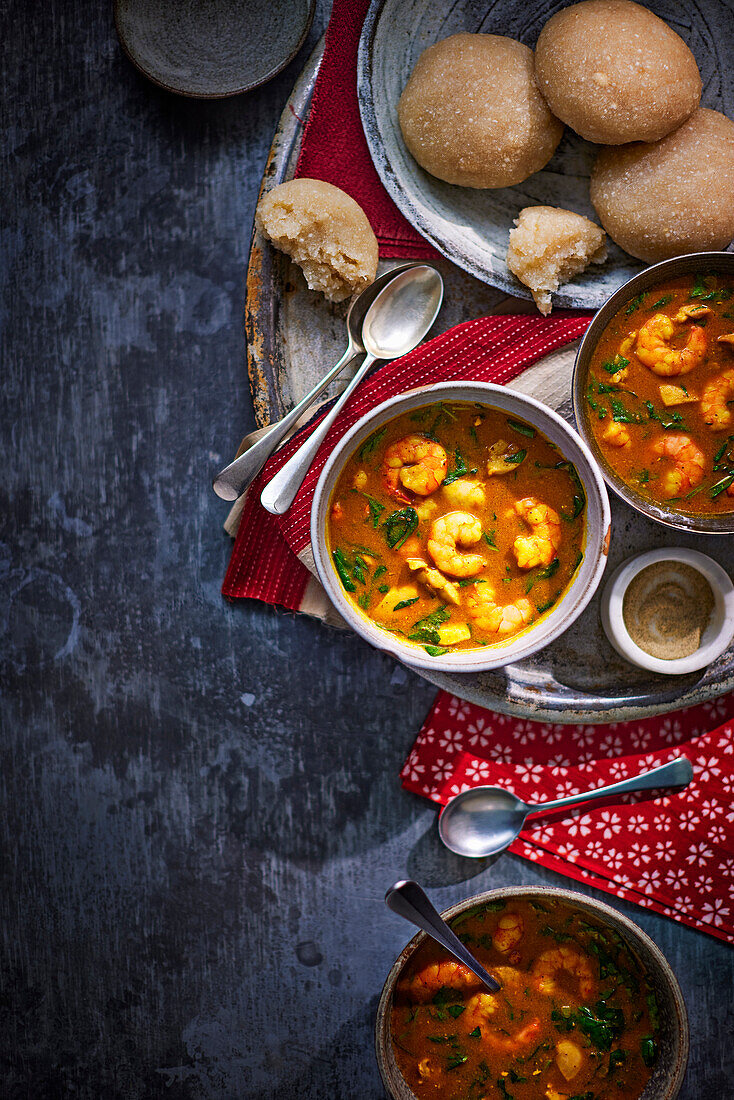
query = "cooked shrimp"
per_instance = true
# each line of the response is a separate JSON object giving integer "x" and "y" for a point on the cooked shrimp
{"x": 416, "y": 463}
{"x": 447, "y": 534}
{"x": 423, "y": 986}
{"x": 480, "y": 1006}
{"x": 565, "y": 958}
{"x": 494, "y": 619}
{"x": 654, "y": 348}
{"x": 688, "y": 313}
{"x": 728, "y": 339}
{"x": 509, "y": 1044}
{"x": 541, "y": 546}
{"x": 616, "y": 435}
{"x": 510, "y": 928}
{"x": 717, "y": 396}
{"x": 433, "y": 579}
{"x": 689, "y": 463}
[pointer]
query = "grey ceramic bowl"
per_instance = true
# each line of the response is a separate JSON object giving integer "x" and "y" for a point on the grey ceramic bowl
{"x": 667, "y": 1077}
{"x": 214, "y": 49}
{"x": 580, "y": 590}
{"x": 713, "y": 262}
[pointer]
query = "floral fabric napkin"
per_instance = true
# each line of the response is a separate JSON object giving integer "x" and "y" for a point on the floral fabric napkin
{"x": 673, "y": 852}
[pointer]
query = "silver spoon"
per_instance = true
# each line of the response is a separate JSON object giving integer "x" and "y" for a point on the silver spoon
{"x": 485, "y": 820}
{"x": 410, "y": 901}
{"x": 232, "y": 481}
{"x": 396, "y": 322}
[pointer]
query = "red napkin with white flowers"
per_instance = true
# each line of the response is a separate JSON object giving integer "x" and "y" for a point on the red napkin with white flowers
{"x": 673, "y": 853}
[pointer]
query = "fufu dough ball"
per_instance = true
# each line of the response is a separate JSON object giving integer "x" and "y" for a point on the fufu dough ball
{"x": 549, "y": 246}
{"x": 325, "y": 231}
{"x": 615, "y": 72}
{"x": 672, "y": 196}
{"x": 471, "y": 113}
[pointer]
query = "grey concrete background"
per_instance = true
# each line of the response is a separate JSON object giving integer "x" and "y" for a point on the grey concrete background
{"x": 199, "y": 804}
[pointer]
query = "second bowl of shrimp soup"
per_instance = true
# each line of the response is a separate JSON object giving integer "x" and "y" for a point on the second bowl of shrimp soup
{"x": 653, "y": 392}
{"x": 461, "y": 526}
{"x": 588, "y": 1006}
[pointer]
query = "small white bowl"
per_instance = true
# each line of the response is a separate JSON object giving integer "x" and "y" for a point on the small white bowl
{"x": 718, "y": 633}
{"x": 582, "y": 586}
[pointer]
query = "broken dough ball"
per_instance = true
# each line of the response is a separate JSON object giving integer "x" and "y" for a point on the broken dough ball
{"x": 471, "y": 113}
{"x": 325, "y": 231}
{"x": 671, "y": 196}
{"x": 615, "y": 72}
{"x": 550, "y": 246}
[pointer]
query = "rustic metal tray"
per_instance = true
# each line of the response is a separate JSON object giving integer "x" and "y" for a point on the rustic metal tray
{"x": 293, "y": 336}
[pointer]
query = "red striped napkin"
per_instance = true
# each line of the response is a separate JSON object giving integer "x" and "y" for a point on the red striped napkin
{"x": 673, "y": 853}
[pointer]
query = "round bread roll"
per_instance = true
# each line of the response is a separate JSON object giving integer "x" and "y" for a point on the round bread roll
{"x": 325, "y": 231}
{"x": 615, "y": 72}
{"x": 471, "y": 113}
{"x": 673, "y": 196}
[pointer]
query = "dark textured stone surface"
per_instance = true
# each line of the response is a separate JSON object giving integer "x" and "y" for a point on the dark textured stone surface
{"x": 199, "y": 808}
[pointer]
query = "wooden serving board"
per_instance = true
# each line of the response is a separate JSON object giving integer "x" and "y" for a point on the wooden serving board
{"x": 294, "y": 336}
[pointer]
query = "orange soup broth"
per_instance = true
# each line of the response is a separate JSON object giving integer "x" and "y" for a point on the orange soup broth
{"x": 634, "y": 401}
{"x": 567, "y": 980}
{"x": 376, "y": 576}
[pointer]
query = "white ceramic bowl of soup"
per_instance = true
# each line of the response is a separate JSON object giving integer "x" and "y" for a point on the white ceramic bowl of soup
{"x": 584, "y": 582}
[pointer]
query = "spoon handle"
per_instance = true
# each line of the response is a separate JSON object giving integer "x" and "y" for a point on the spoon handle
{"x": 410, "y": 901}
{"x": 232, "y": 481}
{"x": 280, "y": 492}
{"x": 676, "y": 773}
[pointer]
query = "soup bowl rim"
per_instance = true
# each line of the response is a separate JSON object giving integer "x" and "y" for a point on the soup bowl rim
{"x": 708, "y": 523}
{"x": 395, "y": 1084}
{"x": 596, "y": 547}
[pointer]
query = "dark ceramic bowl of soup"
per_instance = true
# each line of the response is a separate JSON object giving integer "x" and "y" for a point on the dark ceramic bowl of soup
{"x": 460, "y": 526}
{"x": 653, "y": 392}
{"x": 589, "y": 1006}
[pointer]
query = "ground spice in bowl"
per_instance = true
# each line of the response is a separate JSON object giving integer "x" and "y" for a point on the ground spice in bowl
{"x": 667, "y": 608}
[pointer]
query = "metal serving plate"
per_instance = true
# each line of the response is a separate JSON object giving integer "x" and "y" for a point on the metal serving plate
{"x": 293, "y": 336}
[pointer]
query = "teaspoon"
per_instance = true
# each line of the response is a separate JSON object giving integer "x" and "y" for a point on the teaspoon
{"x": 398, "y": 319}
{"x": 410, "y": 901}
{"x": 232, "y": 481}
{"x": 484, "y": 821}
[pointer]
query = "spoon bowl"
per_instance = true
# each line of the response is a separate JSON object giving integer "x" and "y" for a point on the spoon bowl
{"x": 484, "y": 821}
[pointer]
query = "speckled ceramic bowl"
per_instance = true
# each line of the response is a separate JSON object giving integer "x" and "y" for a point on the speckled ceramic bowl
{"x": 578, "y": 593}
{"x": 215, "y": 49}
{"x": 690, "y": 264}
{"x": 667, "y": 1077}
